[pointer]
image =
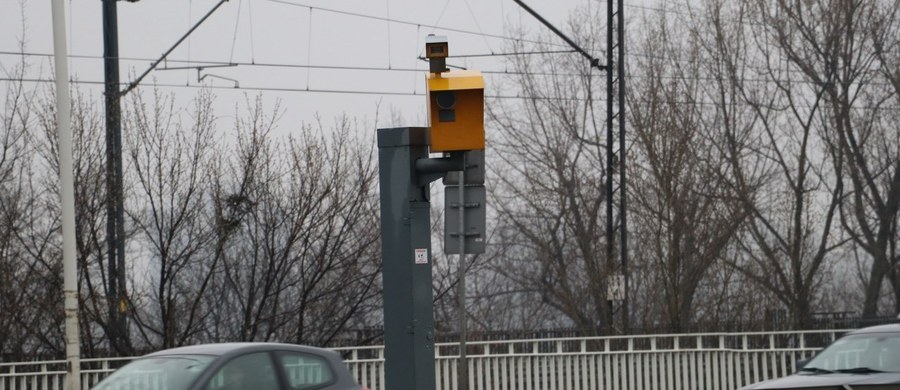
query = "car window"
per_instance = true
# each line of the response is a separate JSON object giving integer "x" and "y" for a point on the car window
{"x": 874, "y": 351}
{"x": 174, "y": 372}
{"x": 305, "y": 371}
{"x": 253, "y": 371}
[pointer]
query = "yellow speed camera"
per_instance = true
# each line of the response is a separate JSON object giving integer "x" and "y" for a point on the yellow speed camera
{"x": 456, "y": 110}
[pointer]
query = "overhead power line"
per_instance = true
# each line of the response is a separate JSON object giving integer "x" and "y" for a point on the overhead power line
{"x": 209, "y": 64}
{"x": 154, "y": 64}
{"x": 212, "y": 64}
{"x": 408, "y": 23}
{"x": 372, "y": 92}
{"x": 284, "y": 89}
{"x": 510, "y": 54}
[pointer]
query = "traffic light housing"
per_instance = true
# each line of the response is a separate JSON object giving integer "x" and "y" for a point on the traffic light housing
{"x": 456, "y": 110}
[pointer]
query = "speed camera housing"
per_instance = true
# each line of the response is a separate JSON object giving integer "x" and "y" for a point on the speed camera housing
{"x": 456, "y": 110}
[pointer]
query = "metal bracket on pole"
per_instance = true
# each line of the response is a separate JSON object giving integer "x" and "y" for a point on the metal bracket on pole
{"x": 431, "y": 169}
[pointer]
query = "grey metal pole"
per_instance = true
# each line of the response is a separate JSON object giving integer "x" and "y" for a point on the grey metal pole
{"x": 67, "y": 196}
{"x": 406, "y": 260}
{"x": 463, "y": 370}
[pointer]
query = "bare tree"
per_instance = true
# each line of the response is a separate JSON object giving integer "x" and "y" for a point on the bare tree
{"x": 169, "y": 212}
{"x": 20, "y": 273}
{"x": 885, "y": 39}
{"x": 549, "y": 183}
{"x": 825, "y": 43}
{"x": 300, "y": 261}
{"x": 34, "y": 208}
{"x": 762, "y": 165}
{"x": 782, "y": 176}
{"x": 684, "y": 214}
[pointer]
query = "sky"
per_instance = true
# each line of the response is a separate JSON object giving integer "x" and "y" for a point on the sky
{"x": 334, "y": 37}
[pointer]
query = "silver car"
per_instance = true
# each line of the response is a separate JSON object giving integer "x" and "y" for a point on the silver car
{"x": 867, "y": 358}
{"x": 234, "y": 366}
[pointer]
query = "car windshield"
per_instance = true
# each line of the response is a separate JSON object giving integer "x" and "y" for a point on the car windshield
{"x": 859, "y": 354}
{"x": 174, "y": 372}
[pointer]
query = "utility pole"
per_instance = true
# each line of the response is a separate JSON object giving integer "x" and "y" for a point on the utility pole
{"x": 67, "y": 196}
{"x": 616, "y": 163}
{"x": 117, "y": 293}
{"x": 456, "y": 116}
{"x": 117, "y": 326}
{"x": 616, "y": 190}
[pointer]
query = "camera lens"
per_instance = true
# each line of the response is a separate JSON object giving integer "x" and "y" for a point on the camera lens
{"x": 445, "y": 99}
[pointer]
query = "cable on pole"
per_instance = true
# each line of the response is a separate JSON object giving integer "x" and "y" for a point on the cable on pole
{"x": 135, "y": 83}
{"x": 595, "y": 62}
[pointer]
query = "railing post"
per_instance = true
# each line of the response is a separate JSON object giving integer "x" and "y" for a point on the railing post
{"x": 381, "y": 367}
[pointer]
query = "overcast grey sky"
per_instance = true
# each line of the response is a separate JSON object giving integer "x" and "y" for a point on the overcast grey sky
{"x": 329, "y": 33}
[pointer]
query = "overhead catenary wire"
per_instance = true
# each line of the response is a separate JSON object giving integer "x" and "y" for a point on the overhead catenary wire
{"x": 416, "y": 62}
{"x": 511, "y": 54}
{"x": 388, "y": 25}
{"x": 441, "y": 15}
{"x": 653, "y": 56}
{"x": 153, "y": 65}
{"x": 434, "y": 27}
{"x": 390, "y": 20}
{"x": 237, "y": 22}
{"x": 392, "y": 93}
{"x": 211, "y": 64}
{"x": 478, "y": 26}
{"x": 252, "y": 45}
{"x": 190, "y": 13}
{"x": 309, "y": 47}
{"x": 285, "y": 89}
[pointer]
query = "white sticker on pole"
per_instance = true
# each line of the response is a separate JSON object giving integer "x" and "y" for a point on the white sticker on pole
{"x": 615, "y": 289}
{"x": 421, "y": 256}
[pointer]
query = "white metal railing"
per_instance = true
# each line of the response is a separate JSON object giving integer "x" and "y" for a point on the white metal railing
{"x": 713, "y": 361}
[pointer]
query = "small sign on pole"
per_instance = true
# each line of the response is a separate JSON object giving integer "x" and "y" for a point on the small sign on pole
{"x": 616, "y": 288}
{"x": 473, "y": 224}
{"x": 421, "y": 256}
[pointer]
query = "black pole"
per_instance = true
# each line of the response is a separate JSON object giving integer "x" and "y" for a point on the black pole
{"x": 610, "y": 163}
{"x": 115, "y": 219}
{"x": 623, "y": 188}
{"x": 615, "y": 91}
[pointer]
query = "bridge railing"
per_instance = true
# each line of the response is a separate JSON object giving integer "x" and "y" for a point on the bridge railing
{"x": 714, "y": 361}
